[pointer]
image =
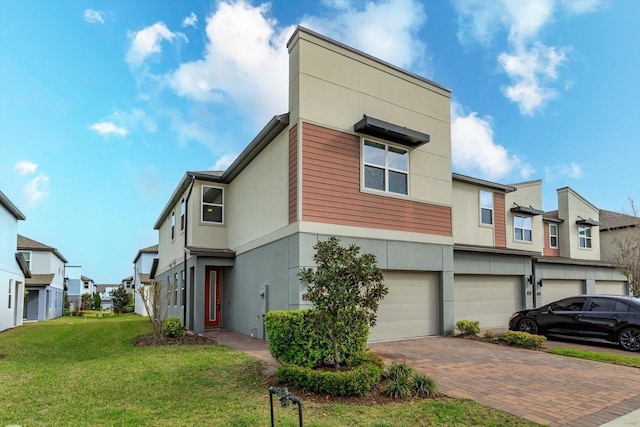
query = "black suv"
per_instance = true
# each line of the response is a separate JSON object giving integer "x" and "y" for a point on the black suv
{"x": 609, "y": 317}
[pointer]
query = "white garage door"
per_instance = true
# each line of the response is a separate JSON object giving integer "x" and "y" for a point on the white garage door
{"x": 606, "y": 287}
{"x": 490, "y": 300}
{"x": 410, "y": 309}
{"x": 553, "y": 290}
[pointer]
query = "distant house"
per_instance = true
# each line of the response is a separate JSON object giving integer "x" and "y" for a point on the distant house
{"x": 142, "y": 266}
{"x": 45, "y": 288}
{"x": 105, "y": 294}
{"x": 13, "y": 268}
{"x": 77, "y": 285}
{"x": 364, "y": 154}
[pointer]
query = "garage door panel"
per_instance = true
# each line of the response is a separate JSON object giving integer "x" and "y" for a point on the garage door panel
{"x": 489, "y": 300}
{"x": 611, "y": 287}
{"x": 410, "y": 309}
{"x": 555, "y": 289}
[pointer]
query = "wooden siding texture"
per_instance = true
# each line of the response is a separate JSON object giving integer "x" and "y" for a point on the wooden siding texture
{"x": 331, "y": 190}
{"x": 499, "y": 216}
{"x": 547, "y": 250}
{"x": 293, "y": 174}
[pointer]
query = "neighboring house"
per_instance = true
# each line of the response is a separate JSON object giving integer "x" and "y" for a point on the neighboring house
{"x": 77, "y": 285}
{"x": 105, "y": 294}
{"x": 142, "y": 266}
{"x": 13, "y": 268}
{"x": 45, "y": 288}
{"x": 364, "y": 154}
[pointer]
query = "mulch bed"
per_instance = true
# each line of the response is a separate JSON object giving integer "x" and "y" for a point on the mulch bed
{"x": 189, "y": 339}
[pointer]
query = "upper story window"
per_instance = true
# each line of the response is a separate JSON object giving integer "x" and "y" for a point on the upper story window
{"x": 173, "y": 225}
{"x": 182, "y": 212}
{"x": 584, "y": 237}
{"x": 212, "y": 204}
{"x": 486, "y": 207}
{"x": 522, "y": 228}
{"x": 386, "y": 168}
{"x": 553, "y": 236}
{"x": 27, "y": 258}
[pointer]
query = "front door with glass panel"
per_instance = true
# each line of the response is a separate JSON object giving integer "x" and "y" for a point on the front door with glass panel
{"x": 212, "y": 303}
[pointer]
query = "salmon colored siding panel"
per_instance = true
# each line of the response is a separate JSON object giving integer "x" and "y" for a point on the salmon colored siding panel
{"x": 547, "y": 250}
{"x": 331, "y": 190}
{"x": 499, "y": 218}
{"x": 293, "y": 174}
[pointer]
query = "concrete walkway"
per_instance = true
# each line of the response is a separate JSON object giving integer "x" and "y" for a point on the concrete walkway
{"x": 541, "y": 387}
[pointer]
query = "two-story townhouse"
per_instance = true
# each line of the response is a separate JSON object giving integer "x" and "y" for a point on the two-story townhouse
{"x": 45, "y": 288}
{"x": 13, "y": 268}
{"x": 142, "y": 266}
{"x": 77, "y": 285}
{"x": 363, "y": 154}
{"x": 104, "y": 290}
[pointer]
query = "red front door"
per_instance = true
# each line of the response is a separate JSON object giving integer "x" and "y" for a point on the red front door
{"x": 212, "y": 300}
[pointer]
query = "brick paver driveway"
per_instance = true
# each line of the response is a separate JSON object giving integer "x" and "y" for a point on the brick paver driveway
{"x": 535, "y": 385}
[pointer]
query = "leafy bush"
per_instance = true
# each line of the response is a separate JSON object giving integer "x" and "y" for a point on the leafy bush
{"x": 356, "y": 381}
{"x": 468, "y": 327}
{"x": 402, "y": 382}
{"x": 398, "y": 370}
{"x": 523, "y": 339}
{"x": 173, "y": 327}
{"x": 423, "y": 386}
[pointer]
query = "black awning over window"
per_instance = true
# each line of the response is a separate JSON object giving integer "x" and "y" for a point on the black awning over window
{"x": 588, "y": 221}
{"x": 390, "y": 132}
{"x": 526, "y": 210}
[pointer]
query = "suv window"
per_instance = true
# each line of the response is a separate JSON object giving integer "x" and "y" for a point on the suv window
{"x": 604, "y": 304}
{"x": 569, "y": 304}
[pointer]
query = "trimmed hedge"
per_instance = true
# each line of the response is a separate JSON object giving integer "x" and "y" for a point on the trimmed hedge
{"x": 523, "y": 339}
{"x": 356, "y": 381}
{"x": 173, "y": 327}
{"x": 468, "y": 327}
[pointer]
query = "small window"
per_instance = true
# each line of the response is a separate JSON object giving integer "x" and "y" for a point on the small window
{"x": 522, "y": 228}
{"x": 27, "y": 258}
{"x": 553, "y": 236}
{"x": 212, "y": 204}
{"x": 602, "y": 304}
{"x": 182, "y": 212}
{"x": 568, "y": 304}
{"x": 175, "y": 289}
{"x": 173, "y": 225}
{"x": 385, "y": 168}
{"x": 486, "y": 207}
{"x": 584, "y": 237}
{"x": 10, "y": 286}
{"x": 184, "y": 290}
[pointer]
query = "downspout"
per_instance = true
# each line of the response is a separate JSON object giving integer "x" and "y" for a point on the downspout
{"x": 186, "y": 232}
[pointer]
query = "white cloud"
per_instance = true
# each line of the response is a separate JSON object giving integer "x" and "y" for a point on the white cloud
{"x": 147, "y": 41}
{"x": 25, "y": 167}
{"x": 473, "y": 149}
{"x": 572, "y": 170}
{"x": 93, "y": 16}
{"x": 581, "y": 7}
{"x": 34, "y": 190}
{"x": 224, "y": 162}
{"x": 134, "y": 119}
{"x": 108, "y": 128}
{"x": 531, "y": 72}
{"x": 190, "y": 21}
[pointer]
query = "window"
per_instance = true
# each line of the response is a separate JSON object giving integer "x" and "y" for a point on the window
{"x": 86, "y": 285}
{"x": 486, "y": 207}
{"x": 173, "y": 225}
{"x": 175, "y": 289}
{"x": 553, "y": 236}
{"x": 182, "y": 211}
{"x": 584, "y": 237}
{"x": 27, "y": 258}
{"x": 522, "y": 228}
{"x": 602, "y": 304}
{"x": 385, "y": 168}
{"x": 10, "y": 286}
{"x": 568, "y": 304}
{"x": 184, "y": 289}
{"x": 212, "y": 204}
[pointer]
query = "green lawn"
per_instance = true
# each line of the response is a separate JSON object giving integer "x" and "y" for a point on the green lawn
{"x": 616, "y": 359}
{"x": 85, "y": 371}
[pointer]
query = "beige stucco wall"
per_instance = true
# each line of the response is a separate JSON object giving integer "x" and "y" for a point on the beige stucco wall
{"x": 333, "y": 86}
{"x": 467, "y": 229}
{"x": 528, "y": 194}
{"x": 258, "y": 200}
{"x": 570, "y": 206}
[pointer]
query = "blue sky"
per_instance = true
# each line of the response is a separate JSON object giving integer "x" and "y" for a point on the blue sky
{"x": 105, "y": 104}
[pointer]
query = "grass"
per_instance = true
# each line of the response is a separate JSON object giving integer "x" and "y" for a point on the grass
{"x": 632, "y": 361}
{"x": 76, "y": 371}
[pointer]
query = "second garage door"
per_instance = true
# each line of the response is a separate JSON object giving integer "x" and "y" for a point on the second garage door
{"x": 410, "y": 309}
{"x": 604, "y": 287}
{"x": 553, "y": 290}
{"x": 490, "y": 300}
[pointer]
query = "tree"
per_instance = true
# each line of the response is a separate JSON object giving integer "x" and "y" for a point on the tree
{"x": 626, "y": 241}
{"x": 119, "y": 299}
{"x": 86, "y": 301}
{"x": 97, "y": 301}
{"x": 346, "y": 290}
{"x": 156, "y": 302}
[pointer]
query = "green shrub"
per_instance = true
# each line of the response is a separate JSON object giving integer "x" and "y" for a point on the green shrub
{"x": 489, "y": 334}
{"x": 173, "y": 327}
{"x": 399, "y": 370}
{"x": 356, "y": 381}
{"x": 402, "y": 382}
{"x": 423, "y": 386}
{"x": 291, "y": 338}
{"x": 397, "y": 388}
{"x": 523, "y": 339}
{"x": 66, "y": 312}
{"x": 468, "y": 327}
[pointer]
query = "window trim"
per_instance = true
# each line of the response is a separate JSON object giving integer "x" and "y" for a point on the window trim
{"x": 523, "y": 240}
{"x": 587, "y": 239}
{"x": 553, "y": 235}
{"x": 173, "y": 225}
{"x": 481, "y": 208}
{"x": 386, "y": 167}
{"x": 202, "y": 205}
{"x": 182, "y": 212}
